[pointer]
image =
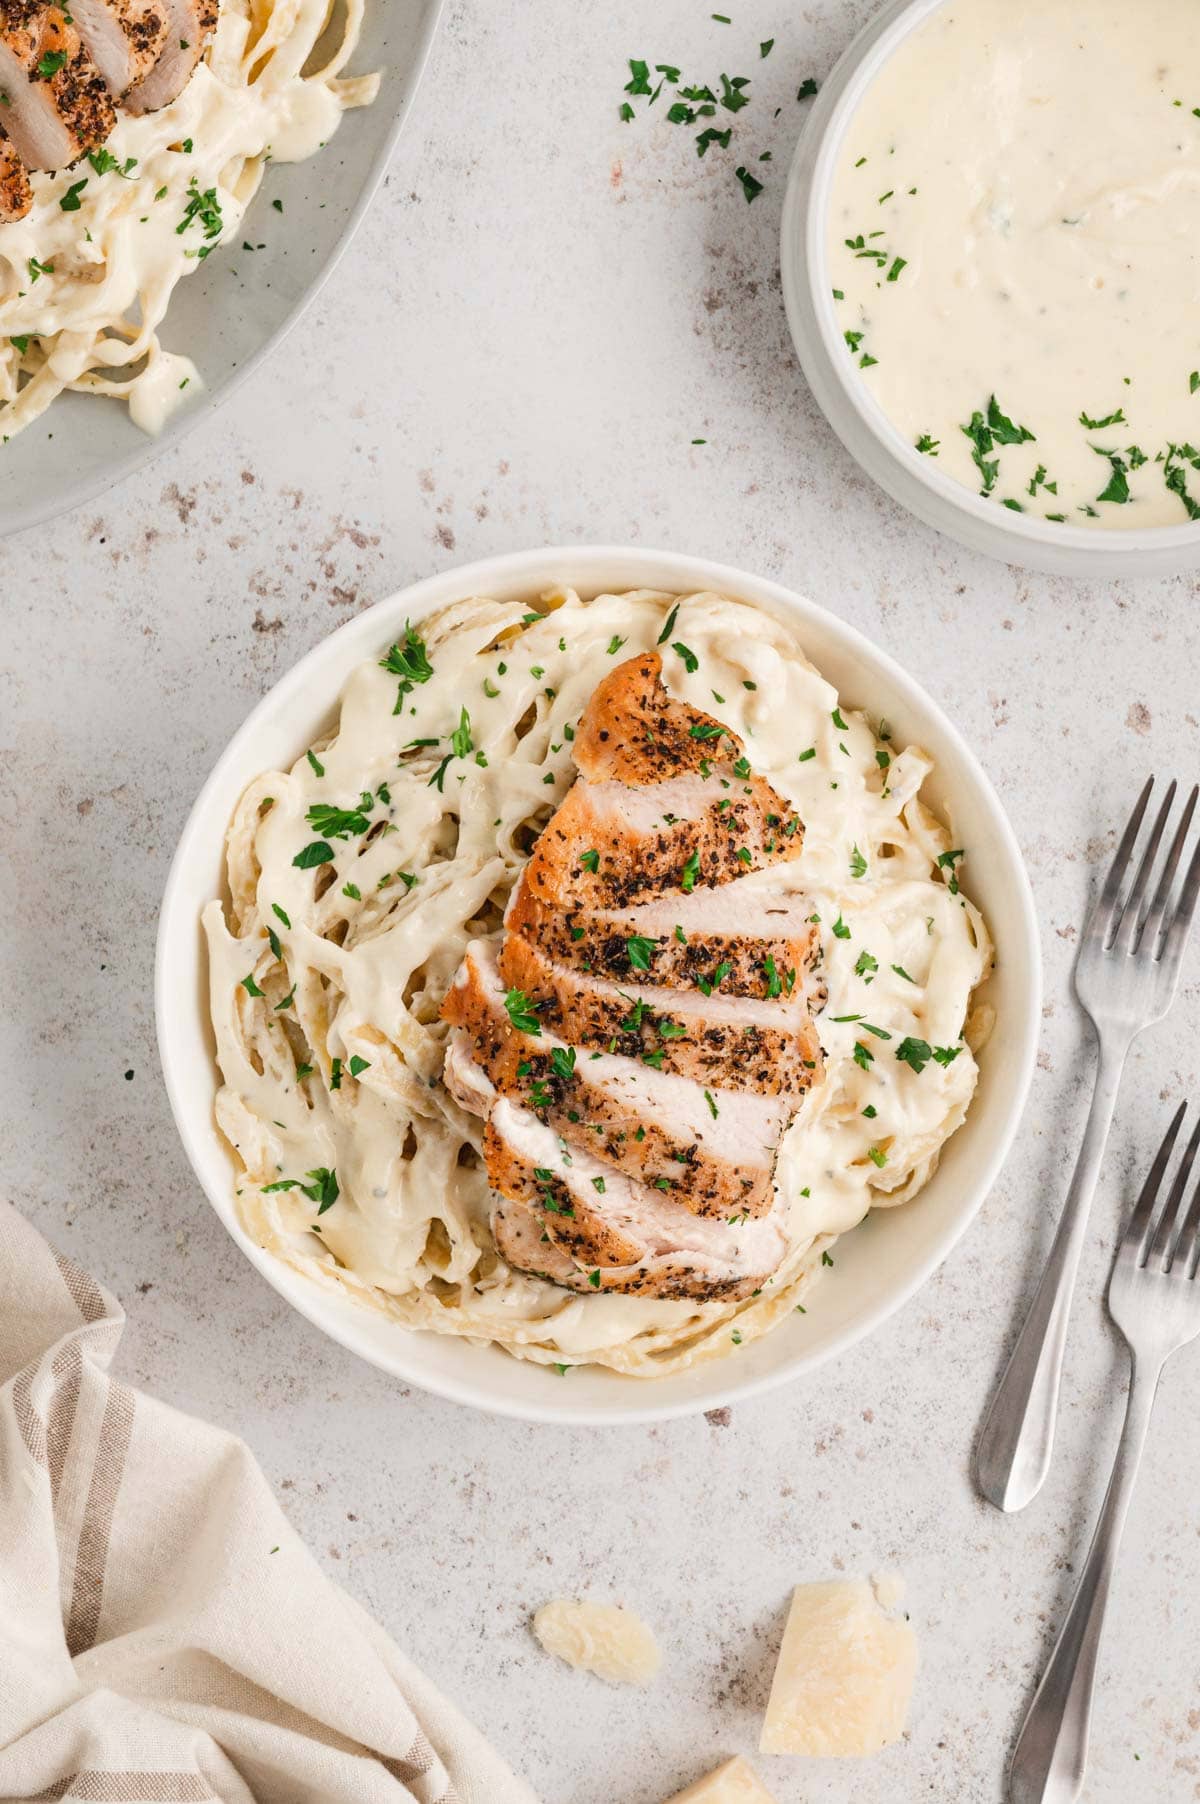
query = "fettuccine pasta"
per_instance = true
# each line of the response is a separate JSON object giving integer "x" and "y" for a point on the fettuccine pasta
{"x": 357, "y": 878}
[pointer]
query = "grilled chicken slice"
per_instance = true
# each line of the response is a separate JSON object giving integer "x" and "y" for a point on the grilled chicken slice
{"x": 716, "y": 1154}
{"x": 16, "y": 196}
{"x": 124, "y": 38}
{"x": 607, "y": 1224}
{"x": 730, "y": 1042}
{"x": 614, "y": 844}
{"x": 189, "y": 26}
{"x": 58, "y": 107}
{"x": 634, "y": 731}
{"x": 563, "y": 1215}
{"x": 688, "y": 939}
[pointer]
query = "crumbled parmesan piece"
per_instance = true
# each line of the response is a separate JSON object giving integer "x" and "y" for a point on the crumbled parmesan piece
{"x": 845, "y": 1673}
{"x": 602, "y": 1638}
{"x": 734, "y": 1783}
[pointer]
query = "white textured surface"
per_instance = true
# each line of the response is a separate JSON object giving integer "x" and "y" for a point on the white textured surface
{"x": 544, "y": 309}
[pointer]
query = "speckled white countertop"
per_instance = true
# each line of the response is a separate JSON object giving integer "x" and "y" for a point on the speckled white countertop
{"x": 544, "y": 308}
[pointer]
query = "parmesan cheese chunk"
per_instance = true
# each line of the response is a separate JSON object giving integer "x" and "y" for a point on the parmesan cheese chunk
{"x": 845, "y": 1673}
{"x": 734, "y": 1783}
{"x": 602, "y": 1638}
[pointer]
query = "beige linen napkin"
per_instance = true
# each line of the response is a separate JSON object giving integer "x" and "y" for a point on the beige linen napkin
{"x": 164, "y": 1634}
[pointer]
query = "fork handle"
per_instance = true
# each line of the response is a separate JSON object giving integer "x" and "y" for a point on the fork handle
{"x": 1051, "y": 1752}
{"x": 1013, "y": 1456}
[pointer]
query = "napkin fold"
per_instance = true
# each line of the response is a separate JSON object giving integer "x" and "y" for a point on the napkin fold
{"x": 164, "y": 1633}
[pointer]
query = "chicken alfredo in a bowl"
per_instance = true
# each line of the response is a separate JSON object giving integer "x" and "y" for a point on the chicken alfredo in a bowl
{"x": 589, "y": 979}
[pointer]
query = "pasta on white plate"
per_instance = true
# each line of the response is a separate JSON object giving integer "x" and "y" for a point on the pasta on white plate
{"x": 86, "y": 277}
{"x": 357, "y": 879}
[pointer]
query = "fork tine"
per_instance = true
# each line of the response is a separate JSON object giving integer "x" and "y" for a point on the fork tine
{"x": 1173, "y": 1210}
{"x": 1186, "y": 1257}
{"x": 1137, "y": 1234}
{"x": 1162, "y": 895}
{"x": 1125, "y": 921}
{"x": 1179, "y": 926}
{"x": 1101, "y": 917}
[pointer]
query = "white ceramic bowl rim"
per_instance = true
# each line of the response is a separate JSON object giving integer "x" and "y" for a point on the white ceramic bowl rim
{"x": 809, "y": 185}
{"x": 184, "y": 1037}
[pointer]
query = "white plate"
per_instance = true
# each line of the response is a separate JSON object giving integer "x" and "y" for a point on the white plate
{"x": 880, "y": 1264}
{"x": 851, "y": 408}
{"x": 227, "y": 323}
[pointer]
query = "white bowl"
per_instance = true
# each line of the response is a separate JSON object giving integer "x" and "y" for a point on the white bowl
{"x": 880, "y": 1264}
{"x": 83, "y": 445}
{"x": 852, "y": 409}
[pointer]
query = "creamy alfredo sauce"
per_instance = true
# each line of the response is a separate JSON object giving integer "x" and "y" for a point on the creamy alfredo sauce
{"x": 335, "y": 1067}
{"x": 1015, "y": 226}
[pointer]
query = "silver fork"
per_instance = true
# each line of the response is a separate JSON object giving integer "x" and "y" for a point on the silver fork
{"x": 1154, "y": 1299}
{"x": 1126, "y": 975}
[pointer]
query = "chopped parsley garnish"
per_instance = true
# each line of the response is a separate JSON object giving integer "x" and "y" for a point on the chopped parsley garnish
{"x": 520, "y": 1013}
{"x": 705, "y": 730}
{"x": 614, "y": 646}
{"x": 1110, "y": 419}
{"x": 37, "y": 269}
{"x": 947, "y": 862}
{"x": 985, "y": 433}
{"x": 323, "y": 1190}
{"x": 460, "y": 739}
{"x": 249, "y": 985}
{"x": 339, "y": 823}
{"x": 691, "y": 662}
{"x": 929, "y": 446}
{"x": 807, "y": 88}
{"x": 713, "y": 1109}
{"x": 638, "y": 950}
{"x": 668, "y": 626}
{"x": 876, "y": 1156}
{"x": 865, "y": 965}
{"x": 840, "y": 929}
{"x": 352, "y": 890}
{"x": 318, "y": 767}
{"x": 562, "y": 1062}
{"x": 319, "y": 852}
{"x": 863, "y": 1055}
{"x": 50, "y": 64}
{"x": 858, "y": 864}
{"x": 203, "y": 209}
{"x": 359, "y": 1065}
{"x": 751, "y": 186}
{"x": 408, "y": 660}
{"x": 1117, "y": 487}
{"x": 70, "y": 201}
{"x": 590, "y": 861}
{"x": 691, "y": 872}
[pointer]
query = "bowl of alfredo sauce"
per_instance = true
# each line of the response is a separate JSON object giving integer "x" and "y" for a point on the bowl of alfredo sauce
{"x": 991, "y": 264}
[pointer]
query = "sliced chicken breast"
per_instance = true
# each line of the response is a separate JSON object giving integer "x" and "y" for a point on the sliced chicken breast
{"x": 189, "y": 26}
{"x": 54, "y": 105}
{"x": 634, "y": 731}
{"x": 602, "y": 1219}
{"x": 733, "y": 943}
{"x": 16, "y": 195}
{"x": 124, "y": 38}
{"x": 715, "y": 1153}
{"x": 723, "y": 1041}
